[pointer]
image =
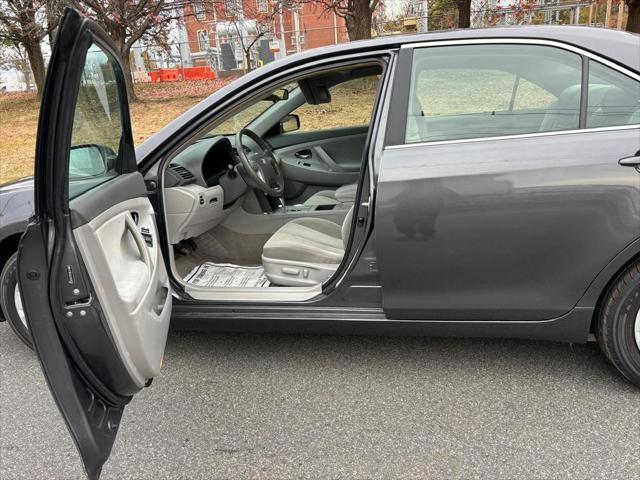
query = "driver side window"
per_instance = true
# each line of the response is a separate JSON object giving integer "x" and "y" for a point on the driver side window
{"x": 97, "y": 124}
{"x": 351, "y": 106}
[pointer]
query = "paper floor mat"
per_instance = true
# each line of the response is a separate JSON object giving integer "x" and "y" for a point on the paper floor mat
{"x": 211, "y": 274}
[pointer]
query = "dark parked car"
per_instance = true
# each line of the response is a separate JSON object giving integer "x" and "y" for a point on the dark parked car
{"x": 466, "y": 183}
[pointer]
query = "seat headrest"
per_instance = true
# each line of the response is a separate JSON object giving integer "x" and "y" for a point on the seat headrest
{"x": 609, "y": 106}
{"x": 564, "y": 113}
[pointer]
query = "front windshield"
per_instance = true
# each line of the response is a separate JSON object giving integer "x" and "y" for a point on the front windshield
{"x": 242, "y": 118}
{"x": 247, "y": 115}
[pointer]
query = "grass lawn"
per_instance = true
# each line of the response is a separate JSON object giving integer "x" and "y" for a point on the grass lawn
{"x": 159, "y": 103}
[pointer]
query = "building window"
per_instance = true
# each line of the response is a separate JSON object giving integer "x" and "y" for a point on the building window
{"x": 300, "y": 36}
{"x": 263, "y": 6}
{"x": 232, "y": 8}
{"x": 198, "y": 9}
{"x": 203, "y": 40}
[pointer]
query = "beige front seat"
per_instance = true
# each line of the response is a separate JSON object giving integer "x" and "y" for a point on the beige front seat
{"x": 306, "y": 251}
{"x": 345, "y": 195}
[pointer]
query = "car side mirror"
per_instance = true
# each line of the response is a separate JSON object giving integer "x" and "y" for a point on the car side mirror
{"x": 90, "y": 160}
{"x": 290, "y": 123}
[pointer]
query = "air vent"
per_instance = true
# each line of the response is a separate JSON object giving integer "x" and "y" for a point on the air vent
{"x": 183, "y": 172}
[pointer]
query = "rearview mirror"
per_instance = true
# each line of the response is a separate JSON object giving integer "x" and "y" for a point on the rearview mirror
{"x": 278, "y": 95}
{"x": 90, "y": 160}
{"x": 290, "y": 123}
{"x": 283, "y": 93}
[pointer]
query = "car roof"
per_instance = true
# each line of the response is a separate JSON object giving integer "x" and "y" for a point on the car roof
{"x": 618, "y": 46}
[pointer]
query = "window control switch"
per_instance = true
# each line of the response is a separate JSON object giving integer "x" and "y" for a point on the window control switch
{"x": 146, "y": 234}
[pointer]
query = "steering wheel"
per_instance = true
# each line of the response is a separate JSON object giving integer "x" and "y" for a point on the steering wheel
{"x": 260, "y": 168}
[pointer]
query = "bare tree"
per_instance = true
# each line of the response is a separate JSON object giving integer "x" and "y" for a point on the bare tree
{"x": 252, "y": 21}
{"x": 22, "y": 25}
{"x": 127, "y": 21}
{"x": 13, "y": 57}
{"x": 357, "y": 14}
{"x": 53, "y": 11}
{"x": 633, "y": 19}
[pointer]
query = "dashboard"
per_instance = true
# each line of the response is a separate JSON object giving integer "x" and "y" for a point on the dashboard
{"x": 201, "y": 184}
{"x": 204, "y": 162}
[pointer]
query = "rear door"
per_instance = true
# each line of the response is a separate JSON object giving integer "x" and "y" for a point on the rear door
{"x": 500, "y": 195}
{"x": 91, "y": 274}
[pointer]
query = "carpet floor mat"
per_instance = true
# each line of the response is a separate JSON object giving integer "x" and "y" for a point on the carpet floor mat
{"x": 211, "y": 274}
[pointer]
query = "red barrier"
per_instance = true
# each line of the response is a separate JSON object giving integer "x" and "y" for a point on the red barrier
{"x": 199, "y": 73}
{"x": 187, "y": 73}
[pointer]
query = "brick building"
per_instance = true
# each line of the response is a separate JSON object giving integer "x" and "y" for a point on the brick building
{"x": 218, "y": 32}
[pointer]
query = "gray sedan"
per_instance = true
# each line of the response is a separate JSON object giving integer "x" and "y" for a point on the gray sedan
{"x": 464, "y": 183}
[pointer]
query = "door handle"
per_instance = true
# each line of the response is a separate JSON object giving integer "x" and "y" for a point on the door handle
{"x": 633, "y": 161}
{"x": 138, "y": 240}
{"x": 304, "y": 154}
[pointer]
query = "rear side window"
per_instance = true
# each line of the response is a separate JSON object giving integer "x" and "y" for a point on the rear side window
{"x": 475, "y": 91}
{"x": 614, "y": 98}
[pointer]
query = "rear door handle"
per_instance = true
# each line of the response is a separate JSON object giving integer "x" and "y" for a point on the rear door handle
{"x": 633, "y": 161}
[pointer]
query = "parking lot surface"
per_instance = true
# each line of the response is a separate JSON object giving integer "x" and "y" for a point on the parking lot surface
{"x": 240, "y": 406}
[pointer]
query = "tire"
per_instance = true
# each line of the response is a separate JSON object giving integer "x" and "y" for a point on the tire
{"x": 618, "y": 328}
{"x": 10, "y": 308}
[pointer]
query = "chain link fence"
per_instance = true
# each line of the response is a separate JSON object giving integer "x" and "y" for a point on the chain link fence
{"x": 209, "y": 55}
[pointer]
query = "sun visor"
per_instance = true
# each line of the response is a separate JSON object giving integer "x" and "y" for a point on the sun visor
{"x": 314, "y": 92}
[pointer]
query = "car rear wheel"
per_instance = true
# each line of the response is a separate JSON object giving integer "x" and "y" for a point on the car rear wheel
{"x": 619, "y": 323}
{"x": 11, "y": 302}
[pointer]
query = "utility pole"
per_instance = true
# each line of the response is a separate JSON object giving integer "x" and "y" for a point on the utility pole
{"x": 424, "y": 16}
{"x": 216, "y": 39}
{"x": 283, "y": 43}
{"x": 296, "y": 27}
{"x": 620, "y": 14}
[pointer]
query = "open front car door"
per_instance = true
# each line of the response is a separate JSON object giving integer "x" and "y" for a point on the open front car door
{"x": 92, "y": 277}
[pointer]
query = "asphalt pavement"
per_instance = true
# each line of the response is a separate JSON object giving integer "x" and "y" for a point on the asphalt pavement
{"x": 280, "y": 407}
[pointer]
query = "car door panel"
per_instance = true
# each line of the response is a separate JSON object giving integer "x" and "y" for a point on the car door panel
{"x": 131, "y": 282}
{"x": 326, "y": 158}
{"x": 512, "y": 228}
{"x": 312, "y": 164}
{"x": 92, "y": 279}
{"x": 312, "y": 136}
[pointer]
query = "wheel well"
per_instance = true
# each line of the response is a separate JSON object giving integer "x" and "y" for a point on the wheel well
{"x": 8, "y": 246}
{"x": 605, "y": 290}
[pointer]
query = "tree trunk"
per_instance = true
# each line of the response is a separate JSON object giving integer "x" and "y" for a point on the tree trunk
{"x": 359, "y": 21}
{"x": 247, "y": 59}
{"x": 128, "y": 78}
{"x": 464, "y": 13}
{"x": 36, "y": 62}
{"x": 633, "y": 20}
